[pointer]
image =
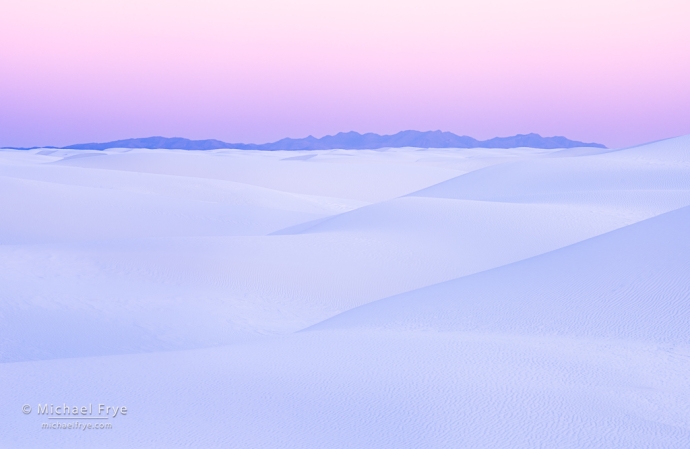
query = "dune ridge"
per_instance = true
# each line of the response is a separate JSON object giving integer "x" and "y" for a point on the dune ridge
{"x": 397, "y": 298}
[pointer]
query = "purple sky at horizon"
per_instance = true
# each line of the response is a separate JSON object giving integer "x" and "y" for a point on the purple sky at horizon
{"x": 609, "y": 71}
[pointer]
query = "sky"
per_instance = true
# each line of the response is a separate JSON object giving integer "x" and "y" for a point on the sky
{"x": 609, "y": 71}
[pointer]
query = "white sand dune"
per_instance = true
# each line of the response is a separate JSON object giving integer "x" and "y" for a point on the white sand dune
{"x": 629, "y": 284}
{"x": 394, "y": 298}
{"x": 371, "y": 176}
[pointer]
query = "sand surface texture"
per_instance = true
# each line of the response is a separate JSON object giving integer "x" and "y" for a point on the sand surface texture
{"x": 397, "y": 298}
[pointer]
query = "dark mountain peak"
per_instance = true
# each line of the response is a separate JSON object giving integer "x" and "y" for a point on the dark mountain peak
{"x": 155, "y": 142}
{"x": 350, "y": 140}
{"x": 534, "y": 140}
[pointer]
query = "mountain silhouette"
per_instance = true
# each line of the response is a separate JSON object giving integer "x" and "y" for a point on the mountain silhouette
{"x": 349, "y": 141}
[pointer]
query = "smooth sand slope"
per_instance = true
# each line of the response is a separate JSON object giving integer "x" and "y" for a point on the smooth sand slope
{"x": 349, "y": 299}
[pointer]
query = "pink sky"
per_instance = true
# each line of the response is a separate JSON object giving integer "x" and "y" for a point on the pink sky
{"x": 610, "y": 71}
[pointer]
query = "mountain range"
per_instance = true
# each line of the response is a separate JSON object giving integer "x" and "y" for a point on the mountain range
{"x": 349, "y": 140}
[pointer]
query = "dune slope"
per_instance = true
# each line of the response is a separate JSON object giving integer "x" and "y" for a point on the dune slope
{"x": 406, "y": 298}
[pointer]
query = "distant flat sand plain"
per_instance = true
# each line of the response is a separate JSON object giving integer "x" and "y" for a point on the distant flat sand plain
{"x": 394, "y": 298}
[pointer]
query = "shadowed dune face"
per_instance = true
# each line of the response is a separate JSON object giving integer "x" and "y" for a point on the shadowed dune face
{"x": 660, "y": 171}
{"x": 628, "y": 284}
{"x": 446, "y": 298}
